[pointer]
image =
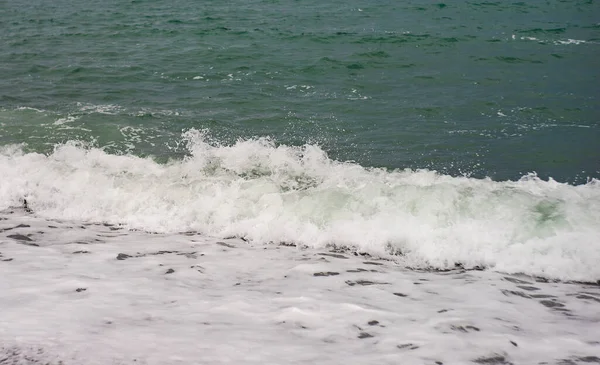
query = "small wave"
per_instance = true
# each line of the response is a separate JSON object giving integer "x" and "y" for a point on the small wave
{"x": 570, "y": 41}
{"x": 67, "y": 119}
{"x": 555, "y": 42}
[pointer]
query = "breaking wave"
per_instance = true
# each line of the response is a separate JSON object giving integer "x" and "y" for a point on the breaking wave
{"x": 266, "y": 192}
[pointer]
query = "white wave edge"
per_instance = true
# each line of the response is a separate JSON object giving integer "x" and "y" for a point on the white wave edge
{"x": 270, "y": 193}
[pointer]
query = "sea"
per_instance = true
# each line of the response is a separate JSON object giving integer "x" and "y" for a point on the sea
{"x": 295, "y": 182}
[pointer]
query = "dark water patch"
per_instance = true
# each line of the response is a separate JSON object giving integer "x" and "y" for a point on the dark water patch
{"x": 444, "y": 310}
{"x": 373, "y": 323}
{"x": 401, "y": 295}
{"x": 357, "y": 270}
{"x": 187, "y": 233}
{"x": 495, "y": 359}
{"x": 372, "y": 263}
{"x": 587, "y": 297}
{"x": 580, "y": 359}
{"x": 22, "y": 239}
{"x": 528, "y": 288}
{"x": 337, "y": 256}
{"x": 123, "y": 256}
{"x": 516, "y": 281}
{"x": 189, "y": 255}
{"x": 460, "y": 265}
{"x": 464, "y": 329}
{"x": 365, "y": 282}
{"x": 79, "y": 290}
{"x": 551, "y": 304}
{"x": 509, "y": 59}
{"x": 449, "y": 40}
{"x": 192, "y": 254}
{"x": 225, "y": 244}
{"x": 364, "y": 335}
{"x": 18, "y": 226}
{"x": 513, "y": 343}
{"x": 201, "y": 270}
{"x": 542, "y": 31}
{"x": 328, "y": 273}
{"x": 355, "y": 66}
{"x": 91, "y": 241}
{"x": 542, "y": 296}
{"x": 590, "y": 293}
{"x": 407, "y": 346}
{"x": 589, "y": 359}
{"x": 330, "y": 60}
{"x": 509, "y": 293}
{"x": 285, "y": 244}
{"x": 12, "y": 355}
{"x": 80, "y": 252}
{"x": 593, "y": 284}
{"x": 169, "y": 271}
{"x": 392, "y": 38}
{"x": 375, "y": 54}
{"x": 487, "y": 3}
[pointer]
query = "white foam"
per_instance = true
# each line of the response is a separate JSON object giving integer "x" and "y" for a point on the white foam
{"x": 556, "y": 42}
{"x": 270, "y": 193}
{"x": 67, "y": 119}
{"x": 91, "y": 295}
{"x": 30, "y": 108}
{"x": 108, "y": 109}
{"x": 570, "y": 41}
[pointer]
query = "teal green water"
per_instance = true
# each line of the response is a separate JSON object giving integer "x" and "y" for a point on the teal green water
{"x": 494, "y": 89}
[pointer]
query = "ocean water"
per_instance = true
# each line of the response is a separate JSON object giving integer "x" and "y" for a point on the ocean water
{"x": 483, "y": 89}
{"x": 427, "y": 135}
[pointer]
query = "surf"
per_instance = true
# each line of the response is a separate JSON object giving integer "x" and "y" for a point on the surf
{"x": 266, "y": 193}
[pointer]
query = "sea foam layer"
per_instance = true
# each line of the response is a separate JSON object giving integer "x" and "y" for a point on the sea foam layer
{"x": 274, "y": 193}
{"x": 93, "y": 294}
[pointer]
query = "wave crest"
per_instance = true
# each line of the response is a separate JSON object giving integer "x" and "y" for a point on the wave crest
{"x": 275, "y": 193}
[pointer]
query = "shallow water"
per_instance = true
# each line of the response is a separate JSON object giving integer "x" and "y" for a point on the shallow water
{"x": 97, "y": 294}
